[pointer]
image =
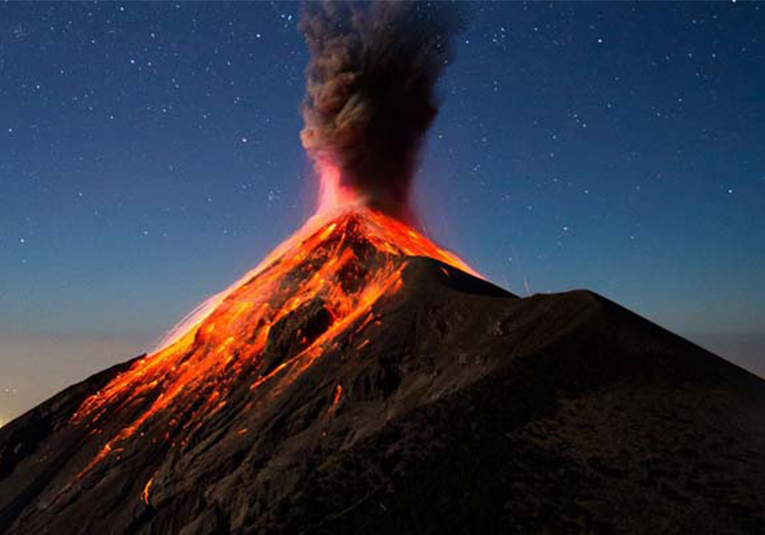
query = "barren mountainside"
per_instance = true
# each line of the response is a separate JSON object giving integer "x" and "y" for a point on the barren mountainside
{"x": 438, "y": 403}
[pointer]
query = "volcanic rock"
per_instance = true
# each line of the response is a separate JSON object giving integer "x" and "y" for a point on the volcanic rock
{"x": 456, "y": 407}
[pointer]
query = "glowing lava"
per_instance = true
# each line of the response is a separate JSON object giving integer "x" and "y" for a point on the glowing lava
{"x": 338, "y": 265}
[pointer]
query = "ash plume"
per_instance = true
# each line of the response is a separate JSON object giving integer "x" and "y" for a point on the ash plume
{"x": 370, "y": 90}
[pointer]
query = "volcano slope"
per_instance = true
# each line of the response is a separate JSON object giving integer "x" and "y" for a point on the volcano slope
{"x": 451, "y": 407}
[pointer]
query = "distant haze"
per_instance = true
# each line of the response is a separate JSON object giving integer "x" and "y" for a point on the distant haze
{"x": 746, "y": 350}
{"x": 32, "y": 369}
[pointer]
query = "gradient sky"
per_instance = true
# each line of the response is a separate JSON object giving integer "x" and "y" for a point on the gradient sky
{"x": 149, "y": 155}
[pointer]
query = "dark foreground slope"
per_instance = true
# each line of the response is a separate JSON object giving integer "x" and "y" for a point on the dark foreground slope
{"x": 463, "y": 410}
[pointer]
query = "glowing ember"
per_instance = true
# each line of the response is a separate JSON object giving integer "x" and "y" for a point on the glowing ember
{"x": 335, "y": 400}
{"x": 146, "y": 490}
{"x": 338, "y": 266}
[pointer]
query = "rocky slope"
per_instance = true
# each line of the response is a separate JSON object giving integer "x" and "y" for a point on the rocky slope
{"x": 459, "y": 409}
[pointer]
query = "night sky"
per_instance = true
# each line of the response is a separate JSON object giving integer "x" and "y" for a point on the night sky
{"x": 149, "y": 155}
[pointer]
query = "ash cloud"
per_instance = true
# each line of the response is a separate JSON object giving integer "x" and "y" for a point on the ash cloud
{"x": 370, "y": 90}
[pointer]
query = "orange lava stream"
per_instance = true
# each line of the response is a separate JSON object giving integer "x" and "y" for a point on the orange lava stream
{"x": 146, "y": 490}
{"x": 348, "y": 259}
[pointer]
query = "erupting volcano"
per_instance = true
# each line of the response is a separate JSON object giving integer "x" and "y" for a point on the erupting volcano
{"x": 332, "y": 272}
{"x": 363, "y": 379}
{"x": 369, "y": 102}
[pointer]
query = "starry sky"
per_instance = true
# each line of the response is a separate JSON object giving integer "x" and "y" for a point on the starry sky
{"x": 149, "y": 155}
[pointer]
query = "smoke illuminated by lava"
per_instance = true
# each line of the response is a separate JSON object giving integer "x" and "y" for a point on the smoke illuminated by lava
{"x": 369, "y": 103}
{"x": 370, "y": 94}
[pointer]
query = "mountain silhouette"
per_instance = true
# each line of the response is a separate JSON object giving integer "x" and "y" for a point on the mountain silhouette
{"x": 362, "y": 380}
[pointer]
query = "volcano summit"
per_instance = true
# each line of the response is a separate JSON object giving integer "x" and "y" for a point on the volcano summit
{"x": 375, "y": 387}
{"x": 363, "y": 379}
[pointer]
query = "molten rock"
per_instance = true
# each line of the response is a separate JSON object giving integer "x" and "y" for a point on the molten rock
{"x": 362, "y": 381}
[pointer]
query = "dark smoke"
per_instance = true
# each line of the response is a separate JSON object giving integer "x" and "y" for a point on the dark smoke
{"x": 370, "y": 90}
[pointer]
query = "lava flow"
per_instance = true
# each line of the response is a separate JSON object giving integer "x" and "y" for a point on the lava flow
{"x": 369, "y": 102}
{"x": 338, "y": 265}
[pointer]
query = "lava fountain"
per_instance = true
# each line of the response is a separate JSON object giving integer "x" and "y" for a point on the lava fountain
{"x": 370, "y": 99}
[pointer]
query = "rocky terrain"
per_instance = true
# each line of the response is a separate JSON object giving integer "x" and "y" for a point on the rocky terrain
{"x": 460, "y": 409}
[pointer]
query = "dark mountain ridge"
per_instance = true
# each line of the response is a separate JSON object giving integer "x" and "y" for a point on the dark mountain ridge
{"x": 461, "y": 409}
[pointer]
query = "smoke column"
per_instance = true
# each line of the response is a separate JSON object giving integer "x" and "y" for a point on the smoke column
{"x": 370, "y": 92}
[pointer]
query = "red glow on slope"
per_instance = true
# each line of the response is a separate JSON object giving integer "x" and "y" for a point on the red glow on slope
{"x": 146, "y": 490}
{"x": 344, "y": 260}
{"x": 335, "y": 400}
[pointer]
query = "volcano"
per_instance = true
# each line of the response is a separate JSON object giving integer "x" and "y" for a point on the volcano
{"x": 364, "y": 380}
